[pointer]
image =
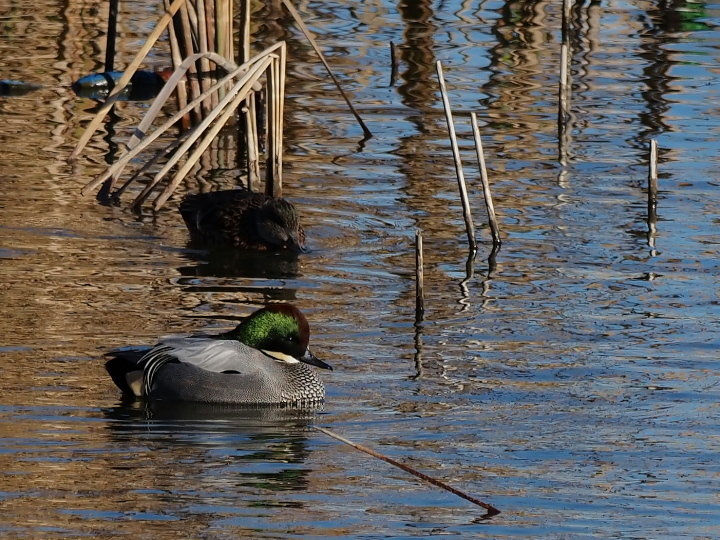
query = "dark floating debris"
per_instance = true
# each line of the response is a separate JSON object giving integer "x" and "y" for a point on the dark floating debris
{"x": 10, "y": 88}
{"x": 143, "y": 86}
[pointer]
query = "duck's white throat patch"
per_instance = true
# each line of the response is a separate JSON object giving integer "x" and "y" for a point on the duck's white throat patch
{"x": 282, "y": 357}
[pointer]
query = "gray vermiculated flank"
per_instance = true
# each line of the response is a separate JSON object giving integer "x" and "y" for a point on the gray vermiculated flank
{"x": 199, "y": 374}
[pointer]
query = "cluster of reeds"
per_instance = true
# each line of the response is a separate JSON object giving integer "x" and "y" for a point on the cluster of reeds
{"x": 467, "y": 214}
{"x": 213, "y": 99}
{"x": 201, "y": 40}
{"x": 564, "y": 119}
{"x": 244, "y": 80}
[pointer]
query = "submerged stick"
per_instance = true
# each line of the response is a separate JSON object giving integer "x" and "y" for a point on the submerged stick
{"x": 485, "y": 183}
{"x": 492, "y": 511}
{"x": 125, "y": 79}
{"x": 469, "y": 227}
{"x": 308, "y": 34}
{"x": 419, "y": 288}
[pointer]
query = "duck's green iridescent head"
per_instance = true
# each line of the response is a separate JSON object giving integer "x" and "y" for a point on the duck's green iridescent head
{"x": 280, "y": 330}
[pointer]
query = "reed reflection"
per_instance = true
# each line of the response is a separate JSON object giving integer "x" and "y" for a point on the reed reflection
{"x": 420, "y": 83}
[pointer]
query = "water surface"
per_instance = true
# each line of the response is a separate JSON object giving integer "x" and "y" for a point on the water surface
{"x": 574, "y": 384}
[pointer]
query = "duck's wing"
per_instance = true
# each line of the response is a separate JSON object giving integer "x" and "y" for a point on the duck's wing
{"x": 216, "y": 355}
{"x": 207, "y": 212}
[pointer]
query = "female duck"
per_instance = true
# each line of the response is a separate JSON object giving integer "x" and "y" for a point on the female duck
{"x": 244, "y": 220}
{"x": 262, "y": 361}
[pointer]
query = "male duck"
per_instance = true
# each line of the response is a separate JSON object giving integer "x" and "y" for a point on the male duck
{"x": 262, "y": 361}
{"x": 244, "y": 220}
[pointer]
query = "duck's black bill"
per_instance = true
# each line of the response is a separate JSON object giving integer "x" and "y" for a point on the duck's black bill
{"x": 311, "y": 359}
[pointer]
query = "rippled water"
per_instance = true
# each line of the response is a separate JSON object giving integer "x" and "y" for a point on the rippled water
{"x": 574, "y": 385}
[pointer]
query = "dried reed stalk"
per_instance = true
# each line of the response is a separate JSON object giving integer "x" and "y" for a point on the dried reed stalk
{"x": 203, "y": 47}
{"x": 653, "y": 182}
{"x": 122, "y": 83}
{"x": 242, "y": 87}
{"x": 245, "y": 21}
{"x": 177, "y": 60}
{"x": 309, "y": 36}
{"x": 251, "y": 142}
{"x": 562, "y": 91}
{"x": 393, "y": 64}
{"x": 152, "y": 161}
{"x": 485, "y": 182}
{"x": 134, "y": 145}
{"x": 566, "y": 20}
{"x": 207, "y": 140}
{"x": 210, "y": 36}
{"x": 187, "y": 49}
{"x": 275, "y": 104}
{"x": 469, "y": 227}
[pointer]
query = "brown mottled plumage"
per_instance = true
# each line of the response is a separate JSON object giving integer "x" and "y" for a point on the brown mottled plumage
{"x": 243, "y": 220}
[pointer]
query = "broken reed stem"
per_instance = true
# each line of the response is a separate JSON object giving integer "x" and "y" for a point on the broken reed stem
{"x": 469, "y": 227}
{"x": 485, "y": 183}
{"x": 652, "y": 182}
{"x": 251, "y": 143}
{"x": 491, "y": 510}
{"x": 562, "y": 91}
{"x": 122, "y": 83}
{"x": 393, "y": 64}
{"x": 152, "y": 161}
{"x": 242, "y": 86}
{"x": 419, "y": 274}
{"x": 309, "y": 36}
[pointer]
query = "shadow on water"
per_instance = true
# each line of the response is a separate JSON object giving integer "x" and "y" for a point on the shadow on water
{"x": 134, "y": 411}
{"x": 261, "y": 446}
{"x": 243, "y": 264}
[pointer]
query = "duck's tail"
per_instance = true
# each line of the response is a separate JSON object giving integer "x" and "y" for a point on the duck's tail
{"x": 123, "y": 370}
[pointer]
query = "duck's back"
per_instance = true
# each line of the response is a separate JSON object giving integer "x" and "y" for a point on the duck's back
{"x": 224, "y": 217}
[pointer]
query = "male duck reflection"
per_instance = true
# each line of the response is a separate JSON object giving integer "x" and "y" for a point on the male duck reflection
{"x": 244, "y": 220}
{"x": 262, "y": 361}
